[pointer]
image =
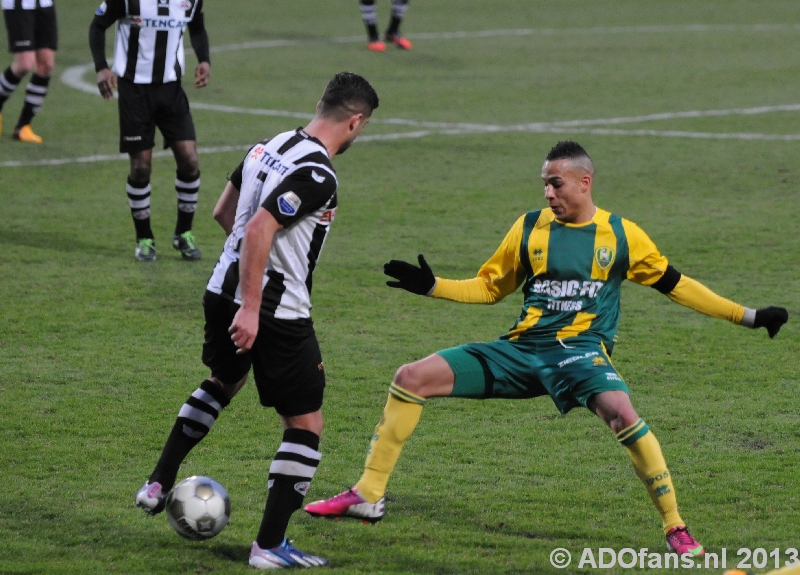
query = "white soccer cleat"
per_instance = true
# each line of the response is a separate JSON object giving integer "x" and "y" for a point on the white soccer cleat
{"x": 284, "y": 556}
{"x": 150, "y": 498}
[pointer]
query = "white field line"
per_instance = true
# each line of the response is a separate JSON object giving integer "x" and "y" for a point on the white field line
{"x": 74, "y": 78}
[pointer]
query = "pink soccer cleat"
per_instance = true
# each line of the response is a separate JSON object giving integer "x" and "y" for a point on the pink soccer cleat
{"x": 348, "y": 504}
{"x": 679, "y": 540}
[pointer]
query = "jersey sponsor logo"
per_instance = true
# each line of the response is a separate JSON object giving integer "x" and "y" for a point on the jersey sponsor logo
{"x": 327, "y": 216}
{"x": 260, "y": 154}
{"x": 288, "y": 203}
{"x": 567, "y": 288}
{"x": 604, "y": 256}
{"x": 185, "y": 4}
{"x": 575, "y": 358}
{"x": 132, "y": 138}
{"x": 302, "y": 487}
{"x": 316, "y": 177}
{"x": 564, "y": 305}
{"x": 611, "y": 376}
{"x": 157, "y": 23}
{"x": 101, "y": 9}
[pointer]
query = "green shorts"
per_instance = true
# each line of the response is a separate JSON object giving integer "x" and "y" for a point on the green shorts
{"x": 570, "y": 374}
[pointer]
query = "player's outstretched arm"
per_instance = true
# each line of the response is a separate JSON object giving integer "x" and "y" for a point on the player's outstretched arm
{"x": 691, "y": 293}
{"x": 419, "y": 280}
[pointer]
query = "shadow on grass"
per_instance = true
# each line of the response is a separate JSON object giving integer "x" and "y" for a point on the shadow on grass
{"x": 57, "y": 241}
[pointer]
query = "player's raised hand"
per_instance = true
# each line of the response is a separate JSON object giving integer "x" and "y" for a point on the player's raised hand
{"x": 201, "y": 74}
{"x": 106, "y": 80}
{"x": 419, "y": 280}
{"x": 771, "y": 318}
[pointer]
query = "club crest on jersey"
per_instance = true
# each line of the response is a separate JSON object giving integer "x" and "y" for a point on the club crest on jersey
{"x": 604, "y": 256}
{"x": 288, "y": 203}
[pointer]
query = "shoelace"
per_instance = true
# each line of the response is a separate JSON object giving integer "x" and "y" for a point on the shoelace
{"x": 683, "y": 537}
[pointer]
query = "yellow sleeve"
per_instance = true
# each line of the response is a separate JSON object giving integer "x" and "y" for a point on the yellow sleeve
{"x": 695, "y": 295}
{"x": 647, "y": 265}
{"x": 501, "y": 275}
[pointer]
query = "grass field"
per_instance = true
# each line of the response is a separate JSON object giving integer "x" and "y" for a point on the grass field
{"x": 691, "y": 111}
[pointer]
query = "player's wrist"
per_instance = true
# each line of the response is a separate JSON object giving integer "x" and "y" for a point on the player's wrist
{"x": 749, "y": 317}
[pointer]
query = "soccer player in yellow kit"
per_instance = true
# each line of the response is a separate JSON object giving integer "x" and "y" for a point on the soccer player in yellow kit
{"x": 570, "y": 260}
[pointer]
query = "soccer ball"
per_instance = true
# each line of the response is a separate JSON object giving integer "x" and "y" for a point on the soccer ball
{"x": 198, "y": 508}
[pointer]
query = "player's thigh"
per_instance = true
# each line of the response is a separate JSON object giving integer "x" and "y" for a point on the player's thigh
{"x": 497, "y": 369}
{"x": 576, "y": 373}
{"x": 172, "y": 114}
{"x": 137, "y": 126}
{"x": 46, "y": 29}
{"x": 287, "y": 367}
{"x": 219, "y": 352}
{"x": 21, "y": 26}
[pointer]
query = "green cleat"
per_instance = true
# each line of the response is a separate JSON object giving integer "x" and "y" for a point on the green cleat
{"x": 145, "y": 250}
{"x": 185, "y": 243}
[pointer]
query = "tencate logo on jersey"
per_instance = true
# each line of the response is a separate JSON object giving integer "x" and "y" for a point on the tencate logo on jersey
{"x": 157, "y": 23}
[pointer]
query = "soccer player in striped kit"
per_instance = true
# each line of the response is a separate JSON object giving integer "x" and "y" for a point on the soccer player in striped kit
{"x": 570, "y": 260}
{"x": 33, "y": 40}
{"x": 148, "y": 65}
{"x": 277, "y": 208}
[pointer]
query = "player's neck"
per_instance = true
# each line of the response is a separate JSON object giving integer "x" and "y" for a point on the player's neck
{"x": 322, "y": 131}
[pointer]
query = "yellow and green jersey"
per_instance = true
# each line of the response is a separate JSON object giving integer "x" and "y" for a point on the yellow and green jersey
{"x": 570, "y": 273}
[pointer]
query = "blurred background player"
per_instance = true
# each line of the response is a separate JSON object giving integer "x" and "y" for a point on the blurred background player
{"x": 148, "y": 65}
{"x": 369, "y": 13}
{"x": 33, "y": 40}
{"x": 277, "y": 210}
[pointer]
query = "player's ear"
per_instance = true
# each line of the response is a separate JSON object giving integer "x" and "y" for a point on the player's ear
{"x": 586, "y": 182}
{"x": 355, "y": 119}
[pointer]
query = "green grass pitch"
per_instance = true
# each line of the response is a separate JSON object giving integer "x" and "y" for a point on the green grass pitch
{"x": 690, "y": 111}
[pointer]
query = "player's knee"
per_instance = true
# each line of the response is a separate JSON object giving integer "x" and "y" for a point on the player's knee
{"x": 44, "y": 69}
{"x": 410, "y": 378}
{"x": 140, "y": 170}
{"x": 21, "y": 66}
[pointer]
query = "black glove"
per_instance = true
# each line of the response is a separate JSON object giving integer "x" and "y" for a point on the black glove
{"x": 771, "y": 318}
{"x": 419, "y": 280}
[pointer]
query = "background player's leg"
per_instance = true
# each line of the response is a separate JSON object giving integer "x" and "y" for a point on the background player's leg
{"x": 138, "y": 190}
{"x": 22, "y": 63}
{"x": 399, "y": 9}
{"x": 187, "y": 189}
{"x": 369, "y": 14}
{"x": 35, "y": 94}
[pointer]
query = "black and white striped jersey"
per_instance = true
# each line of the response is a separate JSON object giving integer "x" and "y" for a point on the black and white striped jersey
{"x": 25, "y": 4}
{"x": 290, "y": 176}
{"x": 149, "y": 37}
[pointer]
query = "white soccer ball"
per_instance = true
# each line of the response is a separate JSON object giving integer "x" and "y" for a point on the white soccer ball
{"x": 198, "y": 508}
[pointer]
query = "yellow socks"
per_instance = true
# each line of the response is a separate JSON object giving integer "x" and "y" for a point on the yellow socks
{"x": 651, "y": 468}
{"x": 400, "y": 417}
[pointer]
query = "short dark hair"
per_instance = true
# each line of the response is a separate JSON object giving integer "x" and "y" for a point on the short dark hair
{"x": 348, "y": 94}
{"x": 569, "y": 150}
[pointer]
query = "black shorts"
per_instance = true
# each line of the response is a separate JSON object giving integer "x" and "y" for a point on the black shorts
{"x": 30, "y": 30}
{"x": 142, "y": 107}
{"x": 286, "y": 360}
